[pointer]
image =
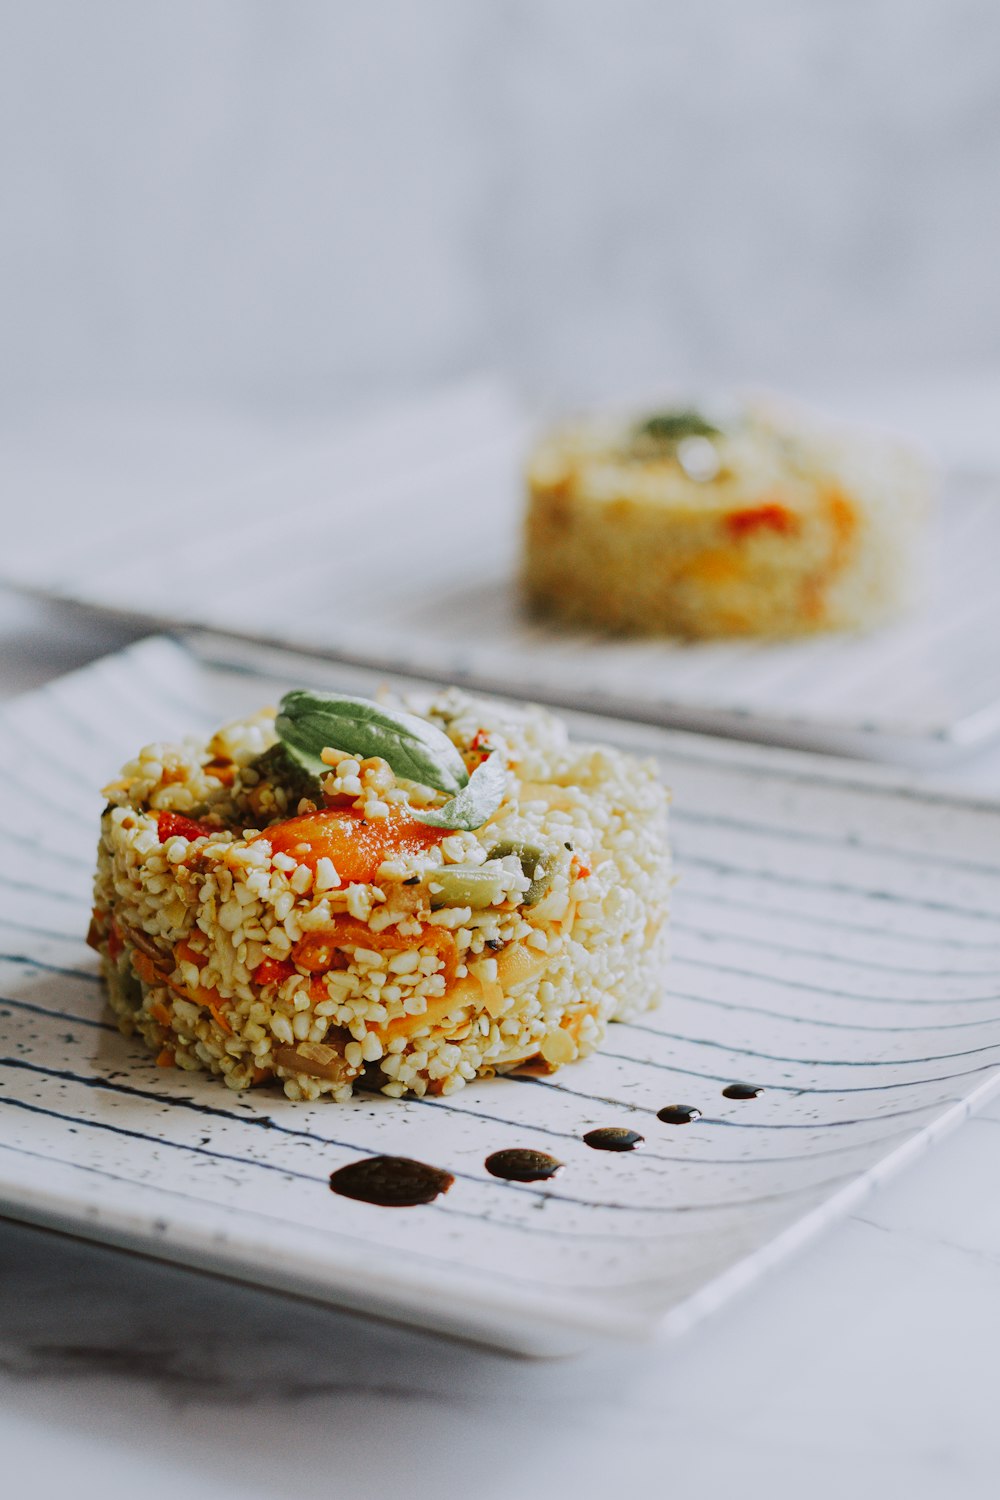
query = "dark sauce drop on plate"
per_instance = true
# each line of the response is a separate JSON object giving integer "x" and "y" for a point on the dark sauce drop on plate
{"x": 391, "y": 1181}
{"x": 613, "y": 1138}
{"x": 741, "y": 1091}
{"x": 522, "y": 1165}
{"x": 678, "y": 1114}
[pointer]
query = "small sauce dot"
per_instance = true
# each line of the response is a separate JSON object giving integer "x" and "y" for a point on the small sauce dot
{"x": 741, "y": 1091}
{"x": 519, "y": 1164}
{"x": 678, "y": 1114}
{"x": 613, "y": 1138}
{"x": 390, "y": 1181}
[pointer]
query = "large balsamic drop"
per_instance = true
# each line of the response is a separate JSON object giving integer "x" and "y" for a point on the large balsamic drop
{"x": 613, "y": 1138}
{"x": 519, "y": 1164}
{"x": 391, "y": 1181}
{"x": 678, "y": 1114}
{"x": 741, "y": 1091}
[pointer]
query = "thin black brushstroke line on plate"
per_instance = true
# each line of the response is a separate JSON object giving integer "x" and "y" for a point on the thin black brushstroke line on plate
{"x": 849, "y": 844}
{"x": 718, "y": 936}
{"x": 805, "y": 986}
{"x": 835, "y": 887}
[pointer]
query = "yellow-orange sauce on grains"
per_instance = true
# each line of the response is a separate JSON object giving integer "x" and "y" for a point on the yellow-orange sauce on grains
{"x": 356, "y": 845}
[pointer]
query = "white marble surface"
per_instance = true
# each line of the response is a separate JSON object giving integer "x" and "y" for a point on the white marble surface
{"x": 866, "y": 1366}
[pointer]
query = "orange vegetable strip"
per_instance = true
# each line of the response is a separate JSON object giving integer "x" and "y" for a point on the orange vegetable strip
{"x": 356, "y": 845}
{"x": 315, "y": 951}
{"x": 461, "y": 996}
{"x": 184, "y": 953}
{"x": 146, "y": 969}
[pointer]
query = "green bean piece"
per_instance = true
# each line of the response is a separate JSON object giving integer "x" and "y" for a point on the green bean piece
{"x": 535, "y": 862}
{"x": 478, "y": 886}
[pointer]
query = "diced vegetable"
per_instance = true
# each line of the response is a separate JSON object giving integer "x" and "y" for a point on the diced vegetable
{"x": 518, "y": 963}
{"x": 478, "y": 886}
{"x": 535, "y": 862}
{"x": 317, "y": 950}
{"x": 170, "y": 825}
{"x": 273, "y": 971}
{"x": 355, "y": 845}
{"x": 769, "y": 517}
{"x": 317, "y": 1060}
{"x": 455, "y": 1002}
{"x": 146, "y": 969}
{"x": 184, "y": 953}
{"x": 115, "y": 941}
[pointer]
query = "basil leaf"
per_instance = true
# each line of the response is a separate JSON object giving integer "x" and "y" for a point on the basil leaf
{"x": 475, "y": 803}
{"x": 309, "y": 722}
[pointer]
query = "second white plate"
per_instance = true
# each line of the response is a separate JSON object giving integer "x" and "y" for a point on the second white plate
{"x": 396, "y": 546}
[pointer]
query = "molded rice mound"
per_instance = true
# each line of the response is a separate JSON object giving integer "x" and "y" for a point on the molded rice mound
{"x": 767, "y": 527}
{"x": 230, "y": 940}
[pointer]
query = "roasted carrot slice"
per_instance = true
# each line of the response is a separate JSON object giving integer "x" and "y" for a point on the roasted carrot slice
{"x": 355, "y": 844}
{"x": 146, "y": 969}
{"x": 184, "y": 953}
{"x": 317, "y": 950}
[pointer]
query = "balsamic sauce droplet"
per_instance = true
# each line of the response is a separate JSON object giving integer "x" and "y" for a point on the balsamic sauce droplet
{"x": 391, "y": 1181}
{"x": 741, "y": 1091}
{"x": 678, "y": 1114}
{"x": 613, "y": 1138}
{"x": 518, "y": 1164}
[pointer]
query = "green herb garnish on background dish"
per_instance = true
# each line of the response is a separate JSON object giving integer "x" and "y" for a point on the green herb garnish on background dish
{"x": 672, "y": 426}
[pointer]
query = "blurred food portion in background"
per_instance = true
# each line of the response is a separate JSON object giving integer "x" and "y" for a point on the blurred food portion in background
{"x": 745, "y": 518}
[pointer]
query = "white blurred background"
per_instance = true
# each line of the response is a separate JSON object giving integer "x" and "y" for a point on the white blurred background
{"x": 313, "y": 206}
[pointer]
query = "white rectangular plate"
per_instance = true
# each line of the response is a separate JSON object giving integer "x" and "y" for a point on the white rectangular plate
{"x": 837, "y": 942}
{"x": 396, "y": 546}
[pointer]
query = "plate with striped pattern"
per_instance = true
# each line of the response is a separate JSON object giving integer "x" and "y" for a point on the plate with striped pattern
{"x": 836, "y": 947}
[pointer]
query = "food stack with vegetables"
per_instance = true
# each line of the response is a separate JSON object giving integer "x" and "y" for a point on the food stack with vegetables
{"x": 755, "y": 520}
{"x": 348, "y": 893}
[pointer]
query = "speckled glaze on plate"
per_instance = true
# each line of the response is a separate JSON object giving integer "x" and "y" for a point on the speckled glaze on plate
{"x": 837, "y": 946}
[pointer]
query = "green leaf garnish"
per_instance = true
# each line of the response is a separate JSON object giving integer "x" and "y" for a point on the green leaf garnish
{"x": 671, "y": 426}
{"x": 308, "y": 723}
{"x": 475, "y": 804}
